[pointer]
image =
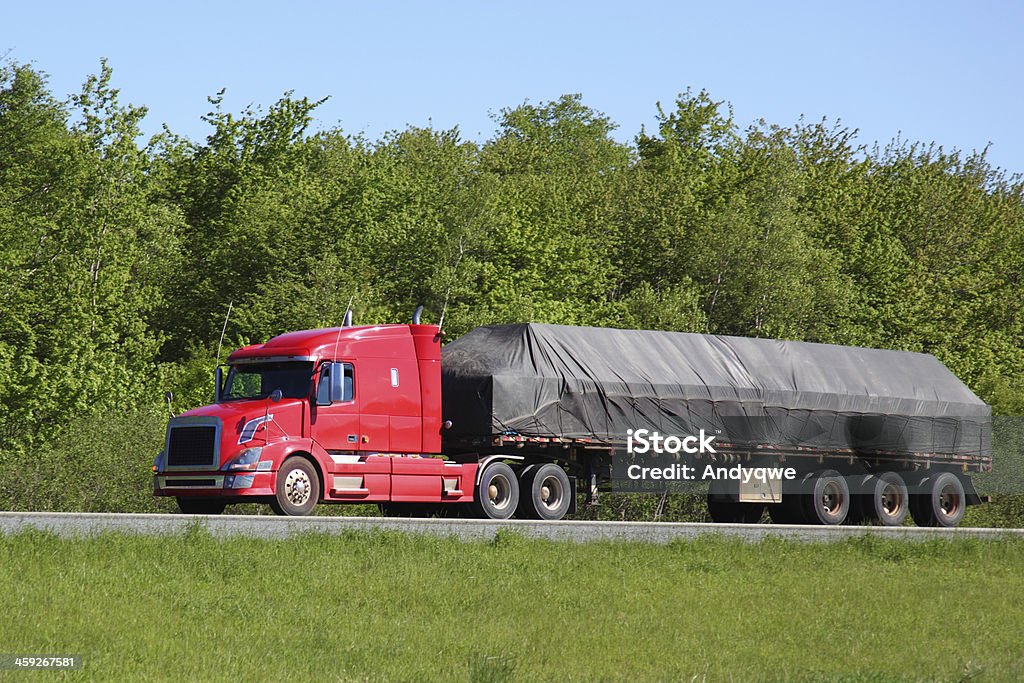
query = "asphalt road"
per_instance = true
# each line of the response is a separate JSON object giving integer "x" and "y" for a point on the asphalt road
{"x": 85, "y": 524}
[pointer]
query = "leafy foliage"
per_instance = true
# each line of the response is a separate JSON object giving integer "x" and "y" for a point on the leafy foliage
{"x": 119, "y": 259}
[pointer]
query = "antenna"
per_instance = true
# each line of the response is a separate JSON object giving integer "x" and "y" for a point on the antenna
{"x": 345, "y": 322}
{"x": 222, "y": 331}
{"x": 448, "y": 290}
{"x": 444, "y": 309}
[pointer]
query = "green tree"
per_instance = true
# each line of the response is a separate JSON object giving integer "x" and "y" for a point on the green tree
{"x": 85, "y": 256}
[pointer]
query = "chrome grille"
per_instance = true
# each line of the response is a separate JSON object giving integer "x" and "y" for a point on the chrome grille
{"x": 192, "y": 446}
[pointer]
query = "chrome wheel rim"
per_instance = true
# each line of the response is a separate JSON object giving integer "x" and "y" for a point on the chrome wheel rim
{"x": 891, "y": 500}
{"x": 831, "y": 498}
{"x": 949, "y": 500}
{"x": 551, "y": 493}
{"x": 499, "y": 492}
{"x": 298, "y": 487}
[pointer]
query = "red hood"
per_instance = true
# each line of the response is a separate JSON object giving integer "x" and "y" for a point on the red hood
{"x": 287, "y": 420}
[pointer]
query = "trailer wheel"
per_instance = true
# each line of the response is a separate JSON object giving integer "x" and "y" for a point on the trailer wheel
{"x": 828, "y": 499}
{"x": 943, "y": 504}
{"x": 201, "y": 506}
{"x": 497, "y": 494}
{"x": 887, "y": 500}
{"x": 547, "y": 490}
{"x": 298, "y": 488}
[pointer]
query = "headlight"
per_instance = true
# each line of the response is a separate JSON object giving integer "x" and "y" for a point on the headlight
{"x": 246, "y": 461}
{"x": 158, "y": 462}
{"x": 239, "y": 481}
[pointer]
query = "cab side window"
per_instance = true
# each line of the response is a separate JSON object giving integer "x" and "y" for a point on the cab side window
{"x": 349, "y": 383}
{"x": 345, "y": 377}
{"x": 323, "y": 396}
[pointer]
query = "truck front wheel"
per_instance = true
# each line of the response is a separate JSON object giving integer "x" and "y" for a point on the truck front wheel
{"x": 298, "y": 488}
{"x": 497, "y": 494}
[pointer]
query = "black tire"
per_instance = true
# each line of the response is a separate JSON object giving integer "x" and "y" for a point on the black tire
{"x": 887, "y": 500}
{"x": 732, "y": 512}
{"x": 827, "y": 500}
{"x": 298, "y": 488}
{"x": 497, "y": 494}
{"x": 546, "y": 492}
{"x": 943, "y": 502}
{"x": 201, "y": 506}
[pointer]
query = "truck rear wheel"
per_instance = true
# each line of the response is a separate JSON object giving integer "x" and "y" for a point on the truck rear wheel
{"x": 828, "y": 498}
{"x": 298, "y": 488}
{"x": 497, "y": 494}
{"x": 547, "y": 490}
{"x": 201, "y": 506}
{"x": 942, "y": 504}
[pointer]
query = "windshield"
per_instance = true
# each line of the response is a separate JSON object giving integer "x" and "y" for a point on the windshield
{"x": 258, "y": 380}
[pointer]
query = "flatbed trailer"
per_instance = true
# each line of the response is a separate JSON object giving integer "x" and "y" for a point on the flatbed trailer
{"x": 529, "y": 420}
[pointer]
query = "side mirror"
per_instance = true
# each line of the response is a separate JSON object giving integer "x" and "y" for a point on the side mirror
{"x": 339, "y": 389}
{"x": 218, "y": 382}
{"x": 336, "y": 380}
{"x": 275, "y": 395}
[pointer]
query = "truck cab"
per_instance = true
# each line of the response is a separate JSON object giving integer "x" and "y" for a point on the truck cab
{"x": 349, "y": 414}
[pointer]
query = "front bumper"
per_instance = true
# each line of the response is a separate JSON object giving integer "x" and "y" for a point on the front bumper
{"x": 214, "y": 484}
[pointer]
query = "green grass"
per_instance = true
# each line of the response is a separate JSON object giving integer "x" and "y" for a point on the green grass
{"x": 386, "y": 606}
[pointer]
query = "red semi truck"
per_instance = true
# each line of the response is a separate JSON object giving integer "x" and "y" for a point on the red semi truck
{"x": 356, "y": 415}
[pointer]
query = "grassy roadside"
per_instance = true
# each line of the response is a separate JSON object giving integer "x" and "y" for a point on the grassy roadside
{"x": 385, "y": 606}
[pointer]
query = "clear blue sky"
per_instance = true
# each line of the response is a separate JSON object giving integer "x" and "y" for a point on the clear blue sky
{"x": 943, "y": 71}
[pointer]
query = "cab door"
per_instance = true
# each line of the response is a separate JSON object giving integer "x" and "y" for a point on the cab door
{"x": 355, "y": 473}
{"x": 334, "y": 424}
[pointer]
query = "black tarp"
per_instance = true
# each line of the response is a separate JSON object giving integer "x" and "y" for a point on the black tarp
{"x": 596, "y": 383}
